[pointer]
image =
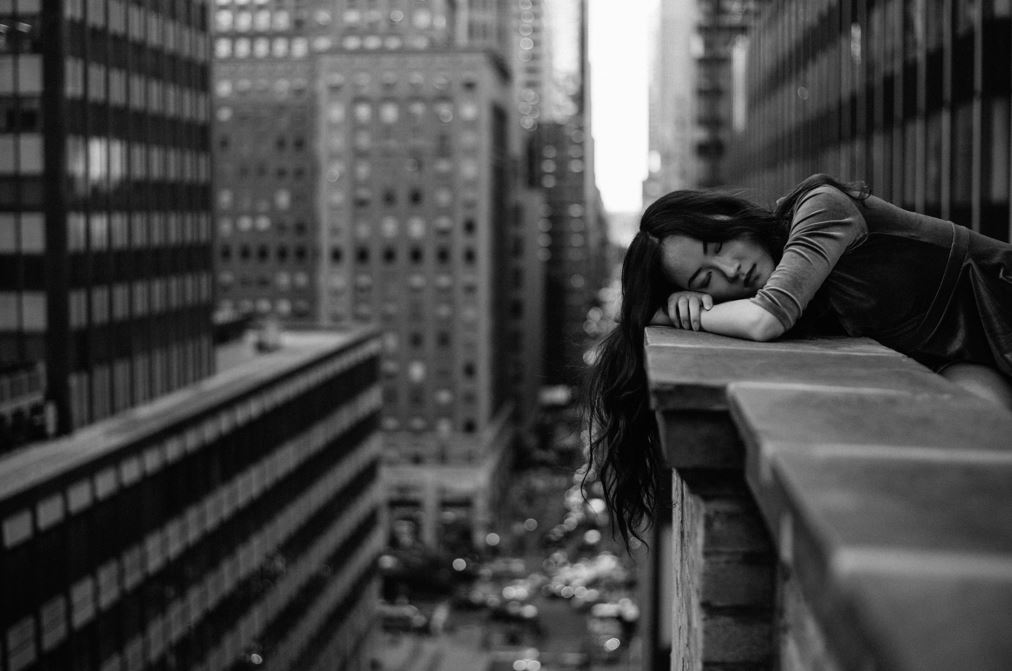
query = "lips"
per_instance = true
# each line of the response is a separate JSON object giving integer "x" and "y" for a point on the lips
{"x": 749, "y": 276}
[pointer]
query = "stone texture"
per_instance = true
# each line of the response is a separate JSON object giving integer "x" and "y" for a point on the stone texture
{"x": 686, "y": 565}
{"x": 671, "y": 337}
{"x": 696, "y": 377}
{"x": 739, "y": 639}
{"x": 701, "y": 439}
{"x": 852, "y": 504}
{"x": 889, "y": 492}
{"x": 738, "y": 581}
{"x": 935, "y": 623}
{"x": 768, "y": 415}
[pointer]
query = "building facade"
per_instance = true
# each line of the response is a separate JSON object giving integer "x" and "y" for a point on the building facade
{"x": 224, "y": 529}
{"x": 367, "y": 172}
{"x": 673, "y": 97}
{"x": 905, "y": 95}
{"x": 554, "y": 72}
{"x": 105, "y": 238}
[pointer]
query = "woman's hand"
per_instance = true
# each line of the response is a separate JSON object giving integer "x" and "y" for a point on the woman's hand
{"x": 685, "y": 307}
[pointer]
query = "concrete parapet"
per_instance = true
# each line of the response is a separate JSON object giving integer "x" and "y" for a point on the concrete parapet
{"x": 835, "y": 505}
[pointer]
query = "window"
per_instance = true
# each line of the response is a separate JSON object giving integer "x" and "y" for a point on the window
{"x": 388, "y": 112}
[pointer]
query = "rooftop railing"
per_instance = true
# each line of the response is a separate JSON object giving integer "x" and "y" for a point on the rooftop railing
{"x": 834, "y": 505}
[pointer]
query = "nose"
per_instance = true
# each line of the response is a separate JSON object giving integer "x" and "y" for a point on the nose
{"x": 729, "y": 267}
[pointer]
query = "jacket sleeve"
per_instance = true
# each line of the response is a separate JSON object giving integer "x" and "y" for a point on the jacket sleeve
{"x": 826, "y": 223}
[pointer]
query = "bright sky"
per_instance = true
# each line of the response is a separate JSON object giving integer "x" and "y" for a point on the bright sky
{"x": 618, "y": 67}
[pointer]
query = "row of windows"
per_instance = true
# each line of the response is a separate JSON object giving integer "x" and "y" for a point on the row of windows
{"x": 389, "y": 111}
{"x": 393, "y": 312}
{"x": 417, "y": 373}
{"x": 22, "y": 8}
{"x": 389, "y": 78}
{"x": 23, "y": 311}
{"x": 418, "y": 423}
{"x": 105, "y": 163}
{"x": 281, "y": 306}
{"x": 443, "y": 281}
{"x": 143, "y": 25}
{"x": 20, "y": 115}
{"x": 122, "y": 230}
{"x": 467, "y": 170}
{"x": 22, "y": 34}
{"x": 339, "y": 310}
{"x": 244, "y": 19}
{"x": 24, "y": 232}
{"x": 263, "y": 253}
{"x": 21, "y": 154}
{"x": 416, "y": 227}
{"x": 419, "y": 146}
{"x": 281, "y": 199}
{"x": 261, "y": 223}
{"x": 244, "y": 171}
{"x": 118, "y": 302}
{"x": 107, "y": 389}
{"x": 21, "y": 74}
{"x": 283, "y": 280}
{"x": 121, "y": 88}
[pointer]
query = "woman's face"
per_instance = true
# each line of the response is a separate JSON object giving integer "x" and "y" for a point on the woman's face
{"x": 727, "y": 270}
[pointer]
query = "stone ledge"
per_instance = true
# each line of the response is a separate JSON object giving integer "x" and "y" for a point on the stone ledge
{"x": 887, "y": 490}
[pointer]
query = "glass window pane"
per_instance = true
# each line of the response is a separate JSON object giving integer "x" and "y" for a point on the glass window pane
{"x": 29, "y": 74}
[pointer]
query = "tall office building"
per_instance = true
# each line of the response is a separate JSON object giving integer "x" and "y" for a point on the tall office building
{"x": 561, "y": 155}
{"x": 720, "y": 106}
{"x": 533, "y": 60}
{"x": 367, "y": 173}
{"x": 903, "y": 95}
{"x": 105, "y": 239}
{"x": 696, "y": 104}
{"x": 224, "y": 529}
{"x": 673, "y": 98}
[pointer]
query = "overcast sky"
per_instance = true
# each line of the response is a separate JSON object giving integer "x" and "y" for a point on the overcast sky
{"x": 618, "y": 65}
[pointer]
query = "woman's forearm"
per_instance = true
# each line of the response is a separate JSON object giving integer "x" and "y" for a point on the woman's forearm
{"x": 741, "y": 319}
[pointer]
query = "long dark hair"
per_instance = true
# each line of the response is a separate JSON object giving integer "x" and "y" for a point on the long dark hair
{"x": 625, "y": 453}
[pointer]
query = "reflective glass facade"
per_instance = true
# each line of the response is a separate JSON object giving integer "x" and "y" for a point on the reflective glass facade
{"x": 105, "y": 231}
{"x": 911, "y": 96}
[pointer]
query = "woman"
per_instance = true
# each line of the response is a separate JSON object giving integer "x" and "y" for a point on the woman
{"x": 830, "y": 259}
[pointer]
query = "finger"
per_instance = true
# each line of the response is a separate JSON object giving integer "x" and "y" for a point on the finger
{"x": 683, "y": 312}
{"x": 694, "y": 309}
{"x": 707, "y": 301}
{"x": 671, "y": 309}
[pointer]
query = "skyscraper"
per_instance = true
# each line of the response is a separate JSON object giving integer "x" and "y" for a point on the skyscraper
{"x": 672, "y": 162}
{"x": 561, "y": 156}
{"x": 367, "y": 170}
{"x": 105, "y": 231}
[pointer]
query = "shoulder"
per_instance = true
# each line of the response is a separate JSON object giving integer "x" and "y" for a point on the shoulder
{"x": 826, "y": 195}
{"x": 825, "y": 210}
{"x": 827, "y": 203}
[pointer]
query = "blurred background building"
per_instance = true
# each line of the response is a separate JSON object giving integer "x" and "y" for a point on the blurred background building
{"x": 276, "y": 279}
{"x": 907, "y": 95}
{"x": 673, "y": 90}
{"x": 373, "y": 165}
{"x": 553, "y": 72}
{"x": 903, "y": 94}
{"x": 215, "y": 527}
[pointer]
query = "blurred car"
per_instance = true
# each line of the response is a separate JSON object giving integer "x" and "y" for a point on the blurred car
{"x": 403, "y": 617}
